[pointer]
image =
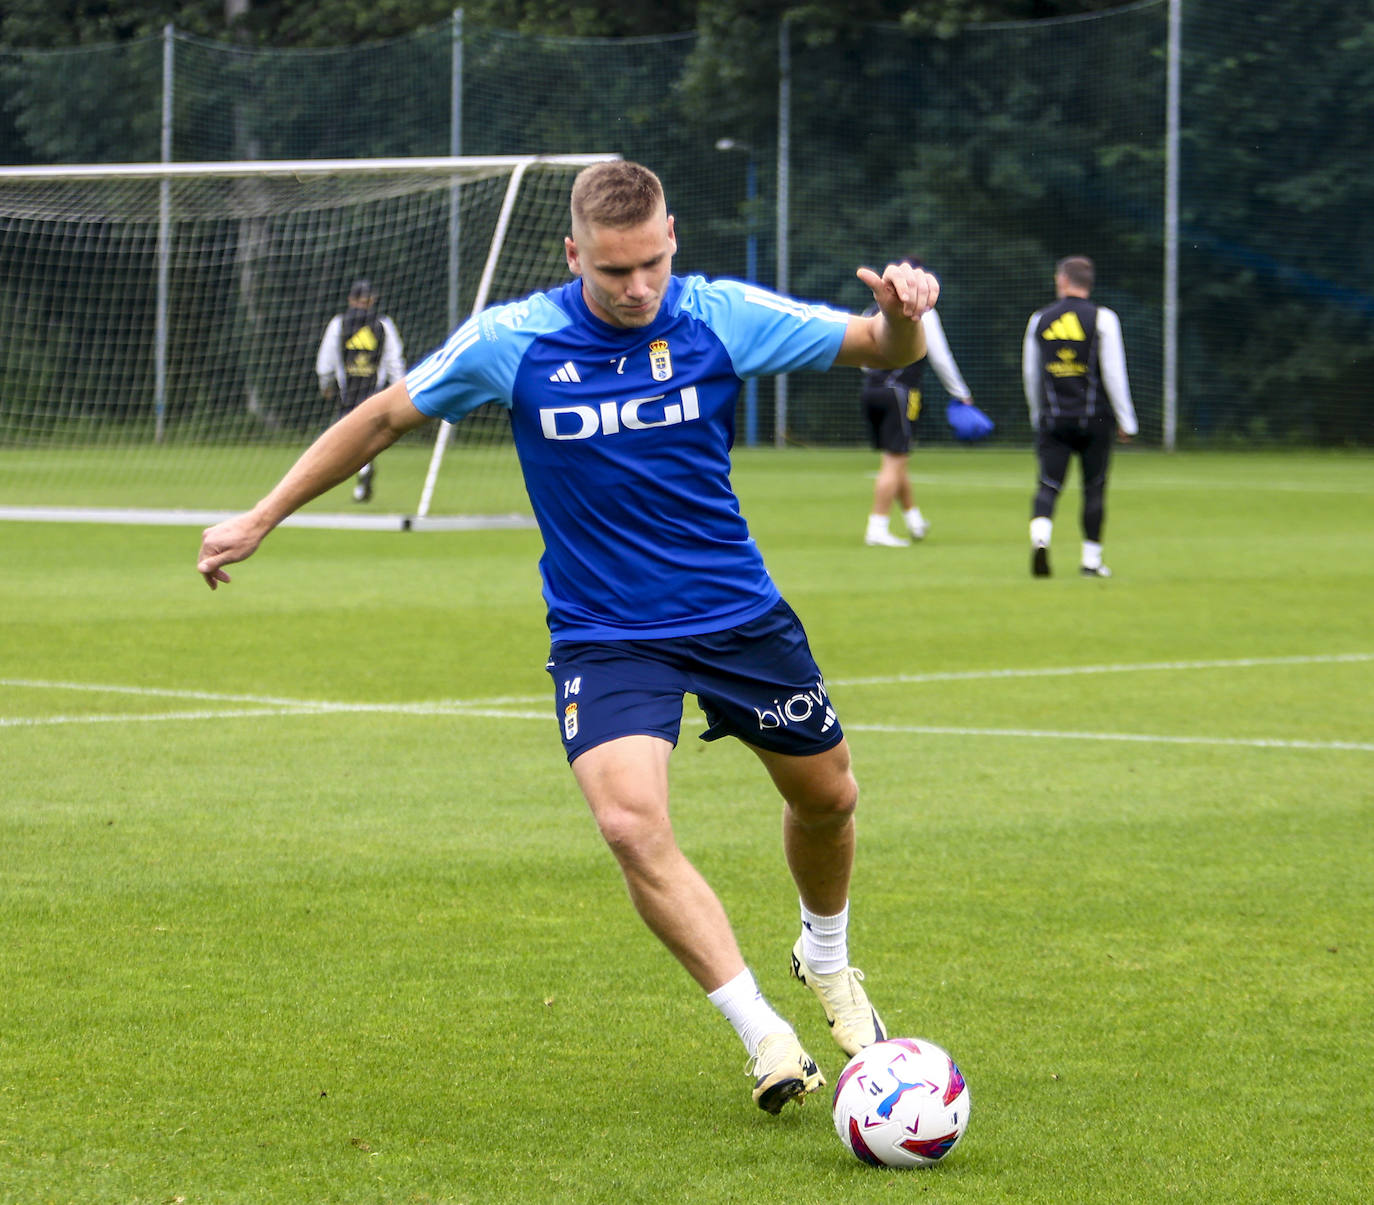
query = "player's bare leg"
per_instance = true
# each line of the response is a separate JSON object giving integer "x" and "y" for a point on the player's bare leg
{"x": 892, "y": 485}
{"x": 818, "y": 839}
{"x": 817, "y": 823}
{"x": 625, "y": 783}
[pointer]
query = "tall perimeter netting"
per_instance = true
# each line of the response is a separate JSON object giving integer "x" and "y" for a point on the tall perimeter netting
{"x": 1230, "y": 216}
{"x": 162, "y": 324}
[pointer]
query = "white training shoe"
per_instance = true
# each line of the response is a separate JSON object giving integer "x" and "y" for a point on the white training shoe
{"x": 854, "y": 1022}
{"x": 783, "y": 1071}
{"x": 885, "y": 539}
{"x": 918, "y": 529}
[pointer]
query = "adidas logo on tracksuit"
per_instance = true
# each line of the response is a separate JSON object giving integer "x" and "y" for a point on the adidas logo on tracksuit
{"x": 1066, "y": 328}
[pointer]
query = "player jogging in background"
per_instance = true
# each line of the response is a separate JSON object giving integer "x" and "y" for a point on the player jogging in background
{"x": 1073, "y": 368}
{"x": 891, "y": 403}
{"x": 360, "y": 354}
{"x": 622, "y": 387}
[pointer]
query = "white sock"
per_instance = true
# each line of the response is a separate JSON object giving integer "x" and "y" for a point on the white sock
{"x": 877, "y": 524}
{"x": 914, "y": 517}
{"x": 1040, "y": 529}
{"x": 1092, "y": 555}
{"x": 825, "y": 941}
{"x": 746, "y": 1009}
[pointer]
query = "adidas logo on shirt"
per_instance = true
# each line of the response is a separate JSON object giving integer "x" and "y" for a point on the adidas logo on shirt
{"x": 567, "y": 374}
{"x": 1067, "y": 328}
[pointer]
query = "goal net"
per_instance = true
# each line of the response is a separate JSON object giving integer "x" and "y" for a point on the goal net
{"x": 159, "y": 325}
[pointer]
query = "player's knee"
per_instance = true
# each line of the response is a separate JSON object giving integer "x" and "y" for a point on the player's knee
{"x": 830, "y": 804}
{"x": 845, "y": 800}
{"x": 635, "y": 835}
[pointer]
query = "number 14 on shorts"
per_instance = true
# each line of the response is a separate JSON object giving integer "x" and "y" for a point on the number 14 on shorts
{"x": 571, "y": 687}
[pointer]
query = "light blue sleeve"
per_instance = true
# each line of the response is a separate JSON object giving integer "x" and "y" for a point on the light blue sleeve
{"x": 764, "y": 332}
{"x": 478, "y": 362}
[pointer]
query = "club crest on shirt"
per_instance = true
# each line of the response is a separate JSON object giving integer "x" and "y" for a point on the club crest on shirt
{"x": 660, "y": 362}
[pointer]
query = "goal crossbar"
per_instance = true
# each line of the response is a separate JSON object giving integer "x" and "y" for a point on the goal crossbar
{"x": 130, "y": 255}
{"x": 420, "y": 165}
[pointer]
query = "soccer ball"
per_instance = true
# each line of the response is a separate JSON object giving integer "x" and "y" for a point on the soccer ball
{"x": 901, "y": 1103}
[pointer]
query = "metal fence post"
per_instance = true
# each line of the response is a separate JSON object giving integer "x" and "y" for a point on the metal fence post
{"x": 164, "y": 241}
{"x": 784, "y": 193}
{"x": 455, "y": 147}
{"x": 1174, "y": 70}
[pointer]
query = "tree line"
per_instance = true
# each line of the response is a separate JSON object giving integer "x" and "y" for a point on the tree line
{"x": 42, "y": 25}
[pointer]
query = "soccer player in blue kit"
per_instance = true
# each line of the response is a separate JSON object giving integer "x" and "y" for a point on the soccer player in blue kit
{"x": 621, "y": 387}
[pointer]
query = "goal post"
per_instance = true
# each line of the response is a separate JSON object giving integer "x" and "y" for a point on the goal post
{"x": 161, "y": 322}
{"x": 498, "y": 242}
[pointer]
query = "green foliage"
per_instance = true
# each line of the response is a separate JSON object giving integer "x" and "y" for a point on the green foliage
{"x": 1259, "y": 224}
{"x": 991, "y": 151}
{"x": 116, "y": 115}
{"x": 369, "y": 948}
{"x": 282, "y": 23}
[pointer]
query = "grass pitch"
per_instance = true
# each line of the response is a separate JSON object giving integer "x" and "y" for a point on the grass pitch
{"x": 298, "y": 901}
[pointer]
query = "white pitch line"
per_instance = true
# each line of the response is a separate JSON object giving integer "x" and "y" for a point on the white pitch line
{"x": 499, "y": 708}
{"x": 424, "y": 709}
{"x": 429, "y": 709}
{"x": 206, "y": 696}
{"x": 44, "y": 721}
{"x": 1065, "y": 671}
{"x": 155, "y": 692}
{"x": 1144, "y": 738}
{"x": 886, "y": 680}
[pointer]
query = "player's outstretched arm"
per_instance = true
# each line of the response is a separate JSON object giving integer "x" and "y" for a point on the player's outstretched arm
{"x": 891, "y": 338}
{"x": 341, "y": 451}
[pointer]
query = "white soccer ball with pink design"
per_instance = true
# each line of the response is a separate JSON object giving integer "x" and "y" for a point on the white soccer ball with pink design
{"x": 901, "y": 1103}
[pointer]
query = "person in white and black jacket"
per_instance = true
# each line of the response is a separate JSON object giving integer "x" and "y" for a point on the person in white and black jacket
{"x": 360, "y": 354}
{"x": 1073, "y": 367}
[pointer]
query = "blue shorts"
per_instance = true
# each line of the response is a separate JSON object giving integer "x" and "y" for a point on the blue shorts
{"x": 758, "y": 682}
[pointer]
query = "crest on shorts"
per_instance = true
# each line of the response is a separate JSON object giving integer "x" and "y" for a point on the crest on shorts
{"x": 570, "y": 721}
{"x": 660, "y": 362}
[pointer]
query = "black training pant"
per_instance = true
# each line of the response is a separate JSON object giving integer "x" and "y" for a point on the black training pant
{"x": 1057, "y": 441}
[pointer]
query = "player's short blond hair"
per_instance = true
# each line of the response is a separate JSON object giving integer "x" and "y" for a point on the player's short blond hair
{"x": 618, "y": 194}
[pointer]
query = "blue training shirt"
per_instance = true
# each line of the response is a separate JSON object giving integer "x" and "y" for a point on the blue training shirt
{"x": 624, "y": 440}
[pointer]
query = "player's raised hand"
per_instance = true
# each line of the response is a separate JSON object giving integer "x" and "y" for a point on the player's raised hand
{"x": 226, "y": 543}
{"x": 902, "y": 290}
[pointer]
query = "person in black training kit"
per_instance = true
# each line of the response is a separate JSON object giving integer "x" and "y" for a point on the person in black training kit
{"x": 1073, "y": 367}
{"x": 360, "y": 354}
